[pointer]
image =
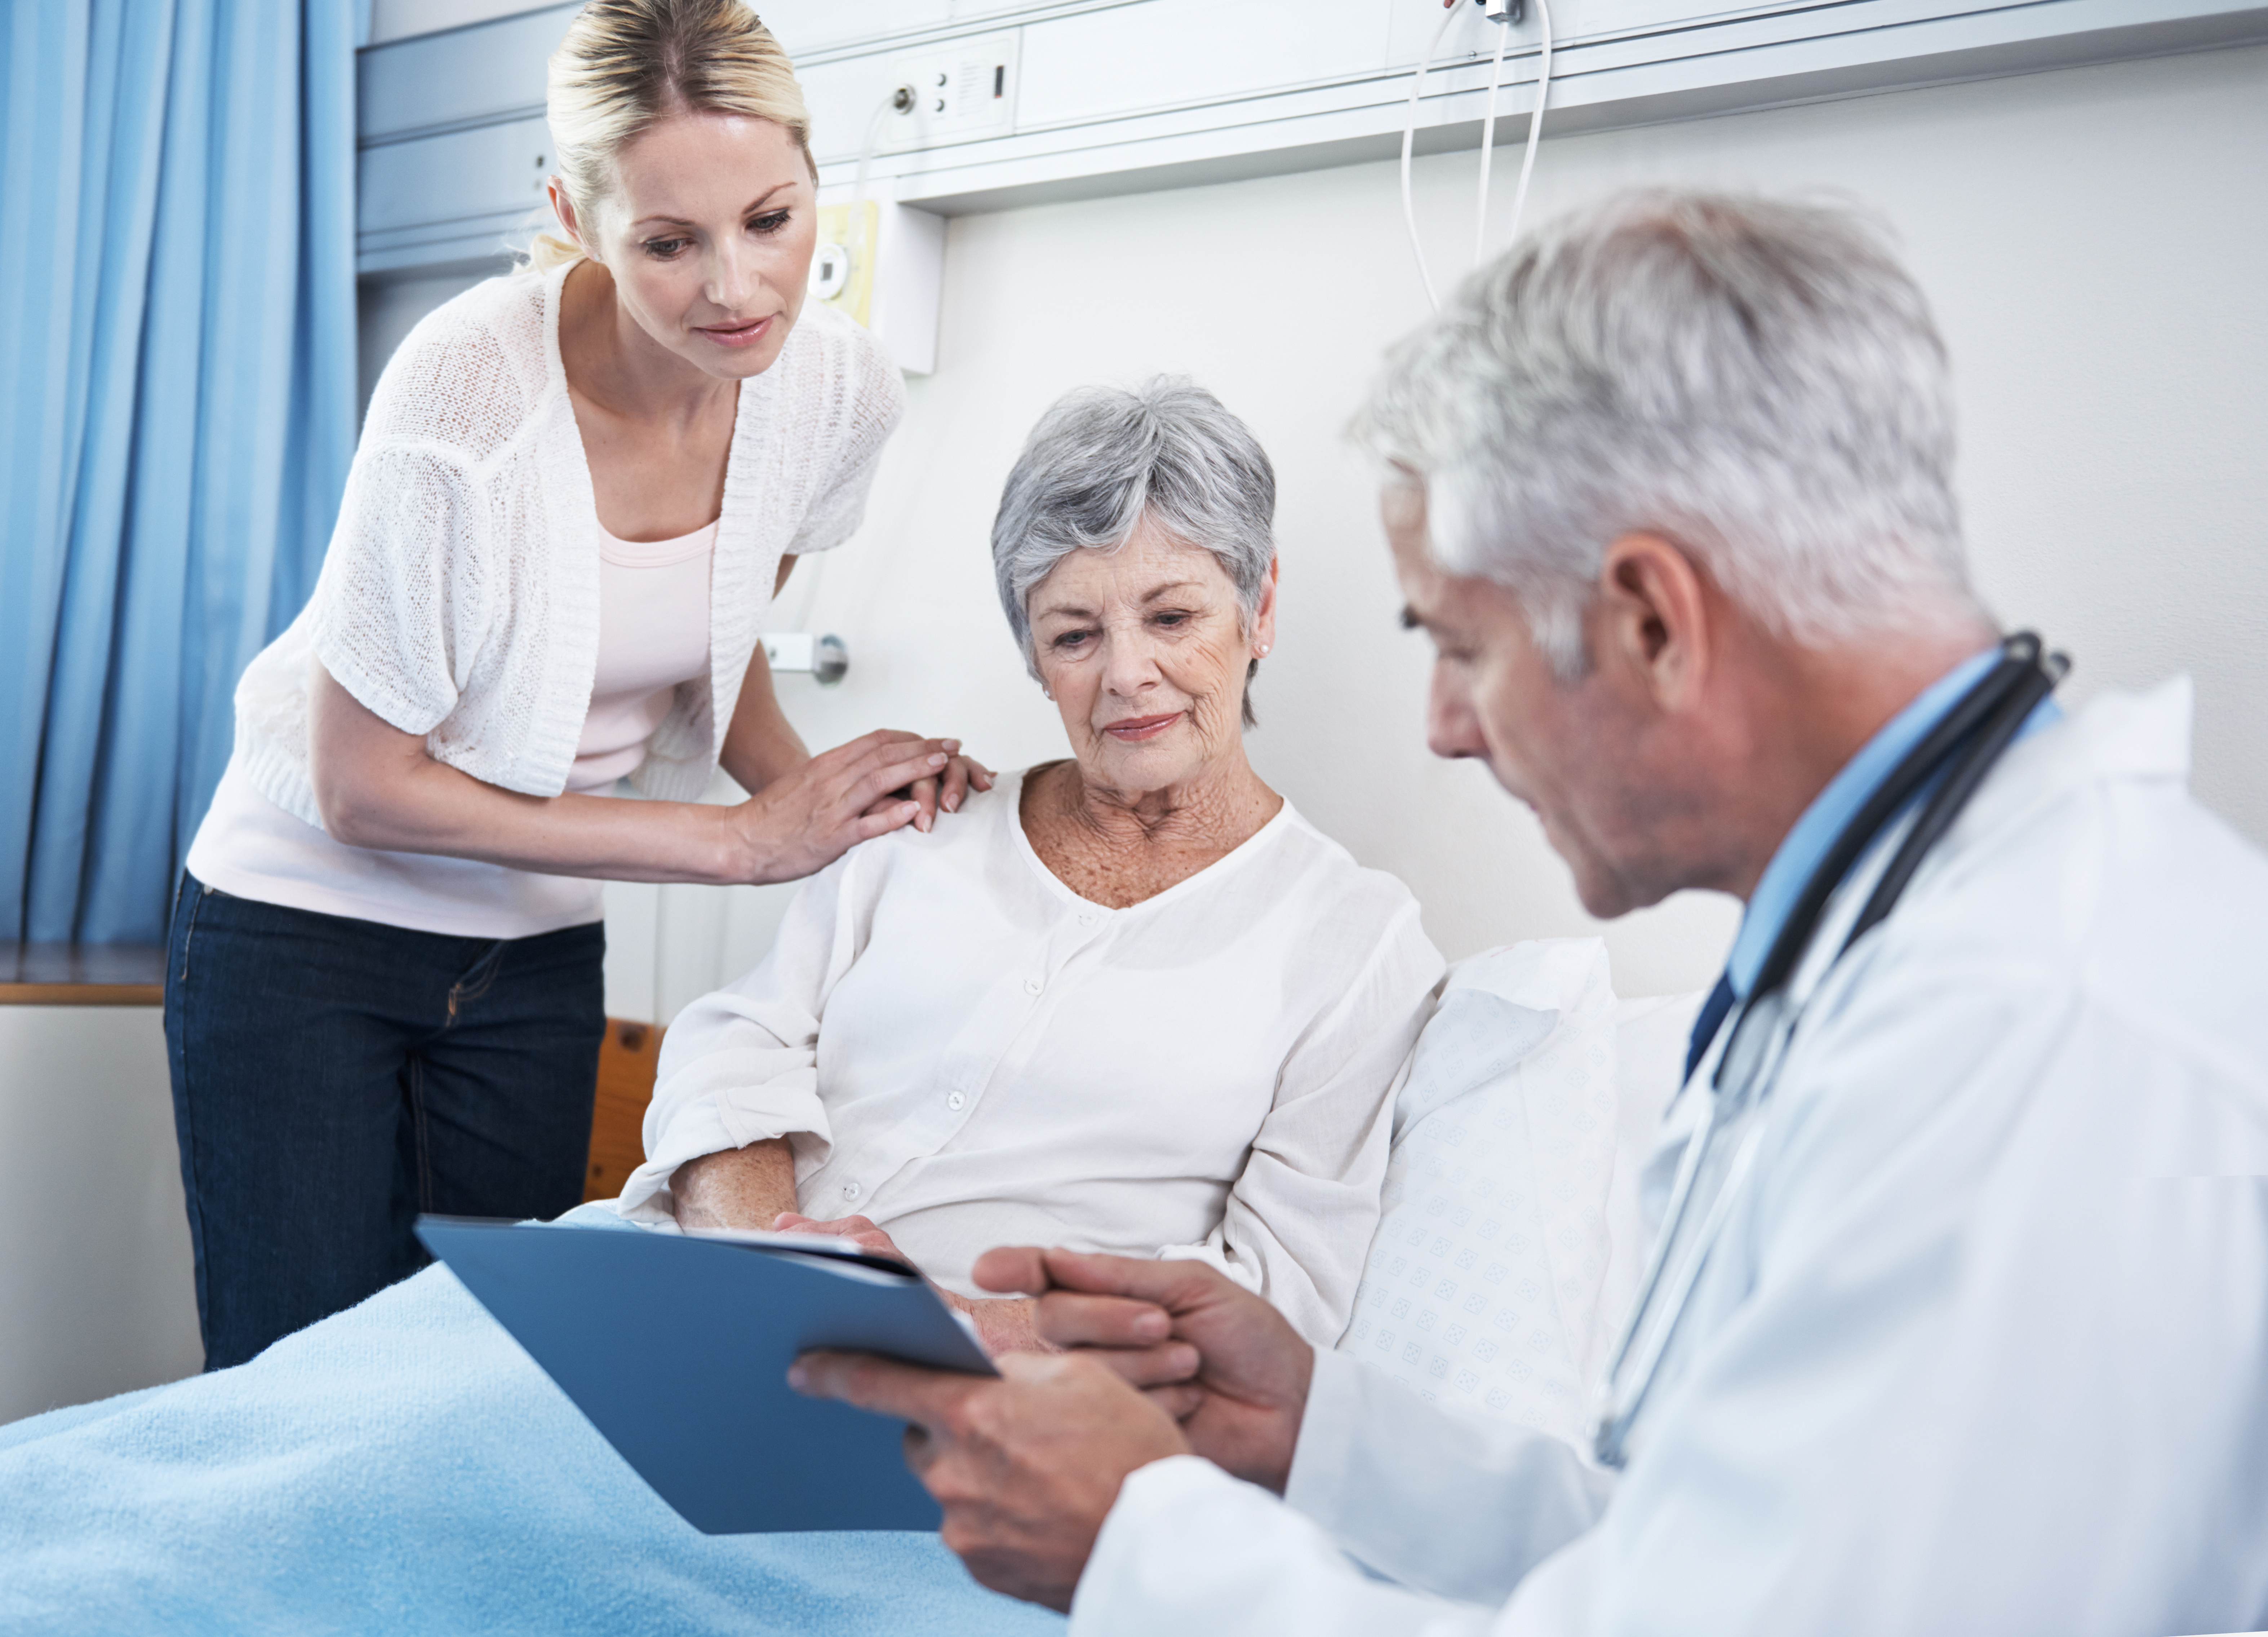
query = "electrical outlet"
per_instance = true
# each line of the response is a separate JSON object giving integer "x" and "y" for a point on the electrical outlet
{"x": 963, "y": 90}
{"x": 541, "y": 186}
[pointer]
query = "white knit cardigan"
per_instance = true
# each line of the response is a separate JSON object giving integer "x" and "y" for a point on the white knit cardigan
{"x": 460, "y": 596}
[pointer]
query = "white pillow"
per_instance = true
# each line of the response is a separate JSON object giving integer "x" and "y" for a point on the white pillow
{"x": 1651, "y": 1035}
{"x": 1483, "y": 1285}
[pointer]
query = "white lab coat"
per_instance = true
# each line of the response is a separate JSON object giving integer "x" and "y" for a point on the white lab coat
{"x": 1984, "y": 1348}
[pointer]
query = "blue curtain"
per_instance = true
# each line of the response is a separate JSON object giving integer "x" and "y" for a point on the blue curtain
{"x": 177, "y": 413}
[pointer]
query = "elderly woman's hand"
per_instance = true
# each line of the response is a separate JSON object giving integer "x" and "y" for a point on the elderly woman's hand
{"x": 858, "y": 1230}
{"x": 1004, "y": 1326}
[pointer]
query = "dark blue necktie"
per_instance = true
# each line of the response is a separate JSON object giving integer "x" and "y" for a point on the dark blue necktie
{"x": 1704, "y": 1026}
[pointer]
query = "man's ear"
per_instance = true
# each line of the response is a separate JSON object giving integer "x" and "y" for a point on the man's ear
{"x": 1654, "y": 618}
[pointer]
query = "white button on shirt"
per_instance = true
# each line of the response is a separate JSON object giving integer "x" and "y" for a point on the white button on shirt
{"x": 998, "y": 1060}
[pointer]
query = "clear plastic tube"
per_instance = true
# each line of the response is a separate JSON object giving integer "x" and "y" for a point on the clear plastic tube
{"x": 1409, "y": 138}
{"x": 1535, "y": 122}
{"x": 1488, "y": 141}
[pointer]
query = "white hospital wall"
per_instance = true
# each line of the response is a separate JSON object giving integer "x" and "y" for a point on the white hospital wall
{"x": 2092, "y": 240}
{"x": 97, "y": 1288}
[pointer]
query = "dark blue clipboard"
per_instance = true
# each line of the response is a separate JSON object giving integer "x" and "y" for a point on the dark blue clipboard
{"x": 676, "y": 1347}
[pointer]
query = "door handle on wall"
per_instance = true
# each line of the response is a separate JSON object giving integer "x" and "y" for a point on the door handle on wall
{"x": 826, "y": 658}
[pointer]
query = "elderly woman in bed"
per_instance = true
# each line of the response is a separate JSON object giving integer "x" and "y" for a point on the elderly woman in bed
{"x": 1130, "y": 1001}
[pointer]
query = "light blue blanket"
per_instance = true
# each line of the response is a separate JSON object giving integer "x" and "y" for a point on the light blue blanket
{"x": 405, "y": 1468}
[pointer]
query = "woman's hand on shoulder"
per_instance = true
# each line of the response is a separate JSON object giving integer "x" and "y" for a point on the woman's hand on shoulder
{"x": 945, "y": 793}
{"x": 803, "y": 821}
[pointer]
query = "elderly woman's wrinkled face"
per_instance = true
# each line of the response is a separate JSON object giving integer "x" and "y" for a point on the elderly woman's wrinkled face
{"x": 1145, "y": 650}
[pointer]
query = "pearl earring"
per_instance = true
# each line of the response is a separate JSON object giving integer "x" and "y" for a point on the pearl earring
{"x": 1262, "y": 650}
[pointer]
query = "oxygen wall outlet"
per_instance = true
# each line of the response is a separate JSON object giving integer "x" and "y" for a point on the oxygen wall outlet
{"x": 843, "y": 266}
{"x": 882, "y": 264}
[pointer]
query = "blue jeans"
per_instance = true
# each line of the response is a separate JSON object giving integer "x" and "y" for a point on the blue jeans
{"x": 333, "y": 1078}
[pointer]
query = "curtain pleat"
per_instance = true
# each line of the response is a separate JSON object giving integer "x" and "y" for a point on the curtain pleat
{"x": 43, "y": 116}
{"x": 181, "y": 387}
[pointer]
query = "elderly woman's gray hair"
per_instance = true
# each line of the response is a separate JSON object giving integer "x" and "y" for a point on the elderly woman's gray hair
{"x": 1102, "y": 460}
{"x": 1758, "y": 381}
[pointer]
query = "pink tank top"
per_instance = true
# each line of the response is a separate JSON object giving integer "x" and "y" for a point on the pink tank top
{"x": 653, "y": 638}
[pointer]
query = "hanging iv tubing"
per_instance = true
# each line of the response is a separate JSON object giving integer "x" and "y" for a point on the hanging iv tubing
{"x": 1488, "y": 138}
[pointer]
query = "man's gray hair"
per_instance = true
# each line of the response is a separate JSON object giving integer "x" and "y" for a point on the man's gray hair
{"x": 1758, "y": 381}
{"x": 1102, "y": 460}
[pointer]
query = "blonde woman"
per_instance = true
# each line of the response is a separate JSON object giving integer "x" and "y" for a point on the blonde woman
{"x": 578, "y": 489}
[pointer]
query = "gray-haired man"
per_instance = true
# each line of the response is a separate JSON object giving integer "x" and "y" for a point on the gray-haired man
{"x": 1971, "y": 1312}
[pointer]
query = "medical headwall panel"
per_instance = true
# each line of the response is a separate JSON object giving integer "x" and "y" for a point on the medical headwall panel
{"x": 458, "y": 77}
{"x": 807, "y": 26}
{"x": 1137, "y": 59}
{"x": 435, "y": 199}
{"x": 1028, "y": 100}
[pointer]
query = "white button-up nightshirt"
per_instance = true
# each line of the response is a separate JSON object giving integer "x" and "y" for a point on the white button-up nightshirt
{"x": 963, "y": 1049}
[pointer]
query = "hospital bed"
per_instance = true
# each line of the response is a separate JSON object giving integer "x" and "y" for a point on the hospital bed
{"x": 404, "y": 1467}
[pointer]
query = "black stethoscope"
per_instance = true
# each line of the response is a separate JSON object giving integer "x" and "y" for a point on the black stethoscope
{"x": 1955, "y": 757}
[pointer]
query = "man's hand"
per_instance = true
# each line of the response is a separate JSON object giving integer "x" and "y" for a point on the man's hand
{"x": 1218, "y": 1359}
{"x": 1026, "y": 1466}
{"x": 1002, "y": 1326}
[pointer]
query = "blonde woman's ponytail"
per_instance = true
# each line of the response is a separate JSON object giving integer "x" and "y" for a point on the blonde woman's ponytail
{"x": 627, "y": 64}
